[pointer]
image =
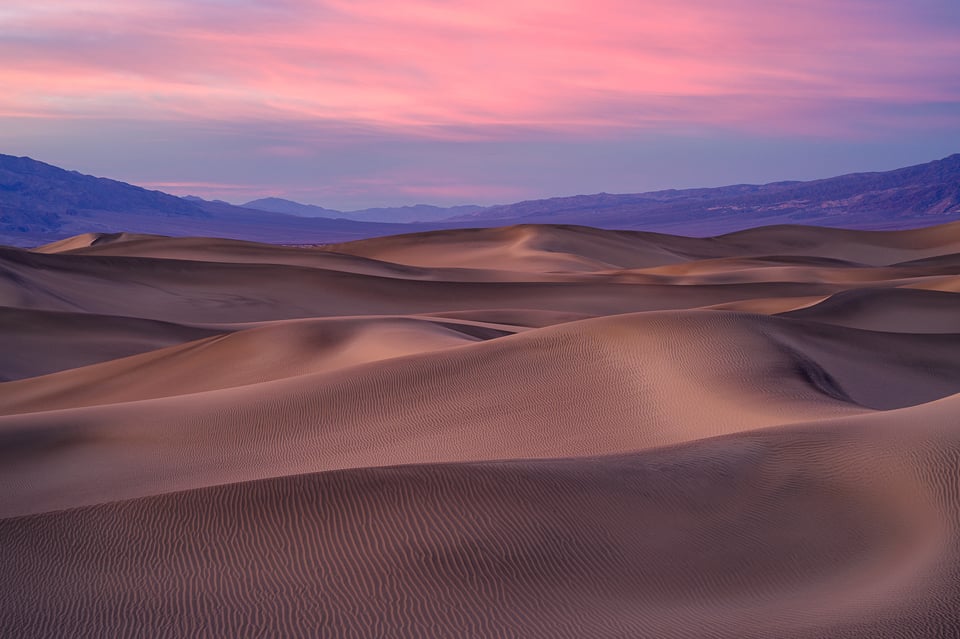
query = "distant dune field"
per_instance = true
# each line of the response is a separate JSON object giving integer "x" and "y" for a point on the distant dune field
{"x": 527, "y": 431}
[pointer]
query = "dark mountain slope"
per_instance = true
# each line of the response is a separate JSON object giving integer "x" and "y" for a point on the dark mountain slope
{"x": 40, "y": 203}
{"x": 910, "y": 197}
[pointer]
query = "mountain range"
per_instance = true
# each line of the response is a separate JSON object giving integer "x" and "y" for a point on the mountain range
{"x": 41, "y": 203}
{"x": 913, "y": 196}
{"x": 415, "y": 213}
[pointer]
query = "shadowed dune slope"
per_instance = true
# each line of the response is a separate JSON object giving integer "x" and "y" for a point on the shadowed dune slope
{"x": 41, "y": 342}
{"x": 846, "y": 531}
{"x": 203, "y": 292}
{"x": 867, "y": 247}
{"x": 944, "y": 260}
{"x": 897, "y": 309}
{"x": 515, "y": 316}
{"x": 737, "y": 270}
{"x": 947, "y": 284}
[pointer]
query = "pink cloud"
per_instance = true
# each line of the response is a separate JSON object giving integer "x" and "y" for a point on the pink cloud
{"x": 448, "y": 68}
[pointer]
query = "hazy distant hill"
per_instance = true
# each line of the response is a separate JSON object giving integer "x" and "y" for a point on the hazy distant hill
{"x": 40, "y": 203}
{"x": 200, "y": 200}
{"x": 914, "y": 196}
{"x": 289, "y": 207}
{"x": 415, "y": 213}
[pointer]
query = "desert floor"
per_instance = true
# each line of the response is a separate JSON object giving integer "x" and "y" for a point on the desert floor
{"x": 531, "y": 431}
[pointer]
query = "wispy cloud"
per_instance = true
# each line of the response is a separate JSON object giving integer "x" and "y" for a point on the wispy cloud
{"x": 441, "y": 67}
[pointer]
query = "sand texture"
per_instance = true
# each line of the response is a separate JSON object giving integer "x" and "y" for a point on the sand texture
{"x": 528, "y": 431}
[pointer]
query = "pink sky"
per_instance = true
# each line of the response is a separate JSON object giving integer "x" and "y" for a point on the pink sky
{"x": 342, "y": 74}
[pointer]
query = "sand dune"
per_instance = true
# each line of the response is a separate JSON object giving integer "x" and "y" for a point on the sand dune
{"x": 947, "y": 284}
{"x": 896, "y": 309}
{"x": 532, "y": 431}
{"x": 203, "y": 249}
{"x": 540, "y": 247}
{"x": 766, "y": 269}
{"x": 847, "y": 528}
{"x": 876, "y": 248}
{"x": 524, "y": 248}
{"x": 265, "y": 353}
{"x": 40, "y": 342}
{"x": 202, "y": 292}
{"x": 88, "y": 240}
{"x": 515, "y": 316}
{"x": 520, "y": 396}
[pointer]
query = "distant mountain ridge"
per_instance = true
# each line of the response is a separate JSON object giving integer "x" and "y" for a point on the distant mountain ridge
{"x": 289, "y": 207}
{"x": 41, "y": 203}
{"x": 414, "y": 213}
{"x": 913, "y": 196}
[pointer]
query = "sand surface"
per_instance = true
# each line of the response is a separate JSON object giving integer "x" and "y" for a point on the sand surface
{"x": 533, "y": 431}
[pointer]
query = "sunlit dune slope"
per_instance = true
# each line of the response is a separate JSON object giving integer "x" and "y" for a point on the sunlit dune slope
{"x": 265, "y": 353}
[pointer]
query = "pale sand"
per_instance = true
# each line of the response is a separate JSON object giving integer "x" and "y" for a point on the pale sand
{"x": 517, "y": 432}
